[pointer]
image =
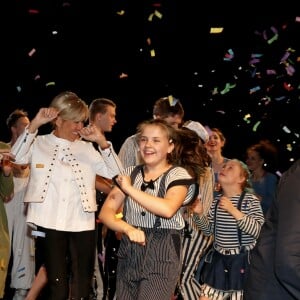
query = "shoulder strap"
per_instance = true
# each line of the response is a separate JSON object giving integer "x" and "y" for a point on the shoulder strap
{"x": 135, "y": 171}
{"x": 162, "y": 187}
{"x": 133, "y": 175}
{"x": 239, "y": 208}
{"x": 161, "y": 193}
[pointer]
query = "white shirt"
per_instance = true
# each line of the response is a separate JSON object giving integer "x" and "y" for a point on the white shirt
{"x": 61, "y": 190}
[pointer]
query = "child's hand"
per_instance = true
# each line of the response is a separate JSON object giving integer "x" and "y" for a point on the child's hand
{"x": 124, "y": 182}
{"x": 226, "y": 204}
{"x": 197, "y": 206}
{"x": 136, "y": 235}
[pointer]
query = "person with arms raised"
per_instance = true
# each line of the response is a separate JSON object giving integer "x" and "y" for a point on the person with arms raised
{"x": 61, "y": 191}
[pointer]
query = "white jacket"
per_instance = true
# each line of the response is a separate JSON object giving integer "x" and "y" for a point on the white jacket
{"x": 46, "y": 152}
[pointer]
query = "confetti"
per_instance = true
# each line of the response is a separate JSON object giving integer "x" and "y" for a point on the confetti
{"x": 158, "y": 14}
{"x": 33, "y": 11}
{"x": 119, "y": 216}
{"x": 152, "y": 53}
{"x": 216, "y": 29}
{"x": 255, "y": 126}
{"x": 254, "y": 89}
{"x": 31, "y": 52}
{"x": 227, "y": 88}
{"x": 172, "y": 100}
{"x": 285, "y": 129}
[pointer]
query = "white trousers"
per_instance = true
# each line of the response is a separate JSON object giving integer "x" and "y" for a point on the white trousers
{"x": 22, "y": 243}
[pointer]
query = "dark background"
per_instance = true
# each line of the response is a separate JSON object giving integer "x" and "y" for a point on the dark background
{"x": 97, "y": 41}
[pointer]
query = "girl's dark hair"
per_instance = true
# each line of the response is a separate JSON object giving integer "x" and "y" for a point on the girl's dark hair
{"x": 191, "y": 154}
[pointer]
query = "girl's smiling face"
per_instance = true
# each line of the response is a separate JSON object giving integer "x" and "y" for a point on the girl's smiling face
{"x": 154, "y": 144}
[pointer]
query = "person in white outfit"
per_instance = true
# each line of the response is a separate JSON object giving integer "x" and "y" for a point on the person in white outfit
{"x": 22, "y": 243}
{"x": 61, "y": 191}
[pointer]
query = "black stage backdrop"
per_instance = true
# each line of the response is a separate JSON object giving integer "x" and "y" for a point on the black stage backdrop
{"x": 244, "y": 80}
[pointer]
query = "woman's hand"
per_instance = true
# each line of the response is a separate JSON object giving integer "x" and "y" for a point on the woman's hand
{"x": 44, "y": 115}
{"x": 93, "y": 134}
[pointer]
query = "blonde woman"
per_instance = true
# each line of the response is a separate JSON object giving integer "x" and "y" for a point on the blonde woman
{"x": 61, "y": 190}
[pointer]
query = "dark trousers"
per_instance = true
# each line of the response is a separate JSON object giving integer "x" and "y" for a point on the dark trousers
{"x": 69, "y": 260}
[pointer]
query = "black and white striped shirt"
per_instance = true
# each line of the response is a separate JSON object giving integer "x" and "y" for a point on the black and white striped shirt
{"x": 226, "y": 239}
{"x": 138, "y": 216}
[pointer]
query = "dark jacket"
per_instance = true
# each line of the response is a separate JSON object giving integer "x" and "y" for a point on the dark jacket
{"x": 275, "y": 265}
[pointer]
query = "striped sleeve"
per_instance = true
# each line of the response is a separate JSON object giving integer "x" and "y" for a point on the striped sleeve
{"x": 203, "y": 224}
{"x": 252, "y": 222}
{"x": 129, "y": 154}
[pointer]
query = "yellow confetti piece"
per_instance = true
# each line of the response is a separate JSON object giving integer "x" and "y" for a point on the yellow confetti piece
{"x": 172, "y": 100}
{"x": 50, "y": 83}
{"x": 150, "y": 18}
{"x": 121, "y": 12}
{"x": 216, "y": 29}
{"x": 119, "y": 216}
{"x": 152, "y": 53}
{"x": 247, "y": 118}
{"x": 158, "y": 14}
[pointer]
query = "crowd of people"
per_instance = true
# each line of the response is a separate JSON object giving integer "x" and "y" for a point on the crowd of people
{"x": 168, "y": 216}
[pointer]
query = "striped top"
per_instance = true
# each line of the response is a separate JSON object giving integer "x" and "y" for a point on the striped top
{"x": 138, "y": 216}
{"x": 226, "y": 233}
{"x": 129, "y": 153}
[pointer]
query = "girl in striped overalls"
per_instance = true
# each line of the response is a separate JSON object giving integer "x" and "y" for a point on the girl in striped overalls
{"x": 149, "y": 256}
